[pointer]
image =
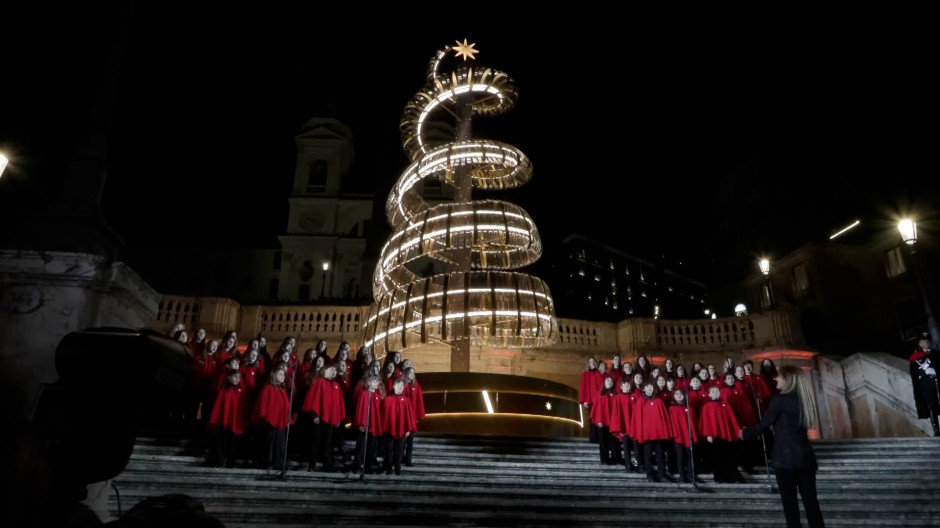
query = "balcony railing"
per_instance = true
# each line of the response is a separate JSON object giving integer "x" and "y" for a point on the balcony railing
{"x": 627, "y": 338}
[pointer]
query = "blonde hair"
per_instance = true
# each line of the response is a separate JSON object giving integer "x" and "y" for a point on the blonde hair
{"x": 793, "y": 381}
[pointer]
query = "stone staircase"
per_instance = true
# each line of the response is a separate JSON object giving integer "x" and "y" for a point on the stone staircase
{"x": 501, "y": 481}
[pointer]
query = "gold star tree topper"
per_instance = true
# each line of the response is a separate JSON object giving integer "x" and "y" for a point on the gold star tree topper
{"x": 462, "y": 48}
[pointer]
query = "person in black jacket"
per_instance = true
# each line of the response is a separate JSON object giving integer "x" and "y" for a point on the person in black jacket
{"x": 924, "y": 381}
{"x": 791, "y": 413}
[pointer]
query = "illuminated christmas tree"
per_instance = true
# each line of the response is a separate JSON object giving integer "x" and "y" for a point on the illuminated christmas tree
{"x": 478, "y": 300}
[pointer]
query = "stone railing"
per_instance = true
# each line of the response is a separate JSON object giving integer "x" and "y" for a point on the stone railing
{"x": 575, "y": 333}
{"x": 176, "y": 309}
{"x": 727, "y": 337}
{"x": 710, "y": 334}
{"x": 319, "y": 320}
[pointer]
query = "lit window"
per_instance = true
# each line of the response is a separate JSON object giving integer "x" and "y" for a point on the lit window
{"x": 613, "y": 283}
{"x": 606, "y": 301}
{"x": 626, "y": 270}
{"x": 631, "y": 311}
{"x": 615, "y": 305}
{"x": 589, "y": 297}
{"x": 643, "y": 294}
{"x": 611, "y": 264}
{"x": 800, "y": 282}
{"x": 597, "y": 277}
{"x": 669, "y": 288}
{"x": 581, "y": 272}
{"x": 894, "y": 262}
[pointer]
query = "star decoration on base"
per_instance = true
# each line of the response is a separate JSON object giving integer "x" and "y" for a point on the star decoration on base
{"x": 548, "y": 406}
{"x": 462, "y": 48}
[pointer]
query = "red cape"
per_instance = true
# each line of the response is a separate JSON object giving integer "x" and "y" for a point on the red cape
{"x": 718, "y": 420}
{"x": 229, "y": 411}
{"x": 397, "y": 416}
{"x": 273, "y": 407}
{"x": 325, "y": 401}
{"x": 374, "y": 414}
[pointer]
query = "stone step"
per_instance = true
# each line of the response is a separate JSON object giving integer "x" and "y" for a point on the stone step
{"x": 546, "y": 513}
{"x": 629, "y": 485}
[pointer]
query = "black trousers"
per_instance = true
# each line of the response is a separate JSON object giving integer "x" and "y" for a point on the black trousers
{"x": 366, "y": 450}
{"x": 628, "y": 447}
{"x": 657, "y": 446}
{"x": 804, "y": 480}
{"x": 724, "y": 464}
{"x": 409, "y": 448}
{"x": 683, "y": 462}
{"x": 321, "y": 445}
{"x": 275, "y": 446}
{"x": 394, "y": 450}
{"x": 225, "y": 447}
{"x": 603, "y": 443}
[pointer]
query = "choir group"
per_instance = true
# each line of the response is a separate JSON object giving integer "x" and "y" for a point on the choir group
{"x": 665, "y": 421}
{"x": 259, "y": 405}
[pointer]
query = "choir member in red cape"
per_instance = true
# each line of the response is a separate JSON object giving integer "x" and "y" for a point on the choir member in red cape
{"x": 388, "y": 377}
{"x": 620, "y": 412}
{"x": 627, "y": 371}
{"x": 306, "y": 375}
{"x": 368, "y": 422}
{"x": 682, "y": 379}
{"x": 616, "y": 370}
{"x": 272, "y": 413}
{"x": 655, "y": 373}
{"x": 228, "y": 418}
{"x": 590, "y": 384}
{"x": 655, "y": 432}
{"x": 252, "y": 370}
{"x": 265, "y": 353}
{"x": 206, "y": 372}
{"x": 197, "y": 343}
{"x": 756, "y": 386}
{"x": 397, "y": 420}
{"x": 924, "y": 380}
{"x": 714, "y": 378}
{"x": 697, "y": 395}
{"x": 600, "y": 417}
{"x": 228, "y": 346}
{"x": 342, "y": 354}
{"x": 182, "y": 337}
{"x": 643, "y": 366}
{"x": 768, "y": 371}
{"x": 732, "y": 393}
{"x": 321, "y": 349}
{"x": 254, "y": 346}
{"x": 704, "y": 378}
{"x": 635, "y": 423}
{"x": 661, "y": 390}
{"x": 416, "y": 396}
{"x": 345, "y": 383}
{"x": 231, "y": 363}
{"x": 361, "y": 363}
{"x": 684, "y": 434}
{"x": 720, "y": 428}
{"x": 669, "y": 368}
{"x": 728, "y": 367}
{"x": 325, "y": 402}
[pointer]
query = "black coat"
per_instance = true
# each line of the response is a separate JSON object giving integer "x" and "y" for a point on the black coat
{"x": 792, "y": 449}
{"x": 925, "y": 388}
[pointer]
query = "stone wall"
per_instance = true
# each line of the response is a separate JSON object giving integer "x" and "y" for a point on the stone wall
{"x": 45, "y": 295}
{"x": 868, "y": 394}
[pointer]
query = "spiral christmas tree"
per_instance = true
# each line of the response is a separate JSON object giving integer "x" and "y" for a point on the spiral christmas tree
{"x": 479, "y": 300}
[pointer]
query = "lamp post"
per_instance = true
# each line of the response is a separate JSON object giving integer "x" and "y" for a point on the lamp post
{"x": 908, "y": 230}
{"x": 764, "y": 265}
{"x": 326, "y": 268}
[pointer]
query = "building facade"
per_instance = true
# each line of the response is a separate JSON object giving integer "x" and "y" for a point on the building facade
{"x": 594, "y": 281}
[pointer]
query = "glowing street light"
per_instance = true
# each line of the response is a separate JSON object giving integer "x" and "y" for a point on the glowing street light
{"x": 908, "y": 230}
{"x": 3, "y": 163}
{"x": 326, "y": 268}
{"x": 764, "y": 266}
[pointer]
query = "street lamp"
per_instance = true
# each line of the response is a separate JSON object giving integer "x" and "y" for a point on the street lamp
{"x": 3, "y": 163}
{"x": 908, "y": 230}
{"x": 766, "y": 296}
{"x": 326, "y": 268}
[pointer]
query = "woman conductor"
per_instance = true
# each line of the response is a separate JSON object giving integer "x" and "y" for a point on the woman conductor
{"x": 791, "y": 413}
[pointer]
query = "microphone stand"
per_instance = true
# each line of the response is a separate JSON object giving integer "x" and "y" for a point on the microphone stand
{"x": 688, "y": 423}
{"x": 365, "y": 443}
{"x": 763, "y": 442}
{"x": 290, "y": 411}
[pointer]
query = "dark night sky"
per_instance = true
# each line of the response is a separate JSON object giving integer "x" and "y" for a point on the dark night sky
{"x": 709, "y": 141}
